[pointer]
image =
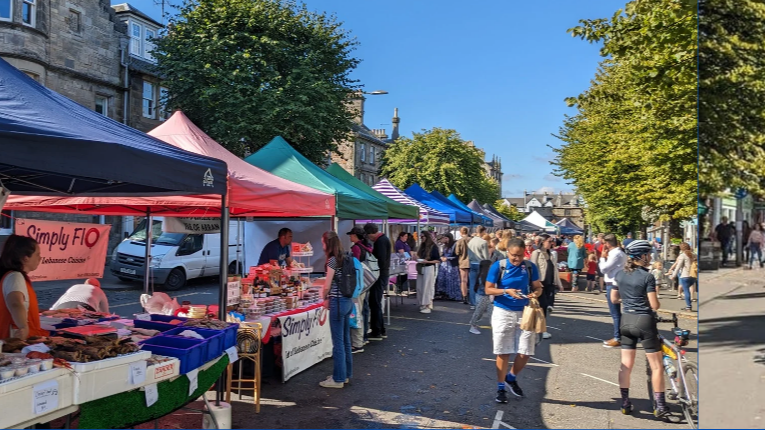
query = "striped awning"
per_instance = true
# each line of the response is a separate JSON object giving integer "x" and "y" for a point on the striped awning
{"x": 428, "y": 215}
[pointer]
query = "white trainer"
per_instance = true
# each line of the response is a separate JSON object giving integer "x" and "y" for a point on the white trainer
{"x": 474, "y": 330}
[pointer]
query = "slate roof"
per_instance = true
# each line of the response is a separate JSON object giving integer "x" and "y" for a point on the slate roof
{"x": 128, "y": 8}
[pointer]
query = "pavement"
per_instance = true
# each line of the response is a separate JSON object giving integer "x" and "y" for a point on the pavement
{"x": 432, "y": 373}
{"x": 731, "y": 326}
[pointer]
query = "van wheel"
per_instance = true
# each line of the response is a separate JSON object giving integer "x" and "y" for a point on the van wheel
{"x": 235, "y": 268}
{"x": 175, "y": 280}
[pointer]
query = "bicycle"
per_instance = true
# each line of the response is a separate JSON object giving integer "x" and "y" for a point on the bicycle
{"x": 682, "y": 374}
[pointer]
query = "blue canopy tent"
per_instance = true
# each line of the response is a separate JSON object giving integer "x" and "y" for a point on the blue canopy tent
{"x": 54, "y": 146}
{"x": 491, "y": 210}
{"x": 475, "y": 219}
{"x": 568, "y": 227}
{"x": 456, "y": 215}
{"x": 482, "y": 219}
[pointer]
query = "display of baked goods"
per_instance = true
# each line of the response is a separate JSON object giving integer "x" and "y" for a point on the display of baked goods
{"x": 83, "y": 350}
{"x": 207, "y": 323}
{"x": 75, "y": 314}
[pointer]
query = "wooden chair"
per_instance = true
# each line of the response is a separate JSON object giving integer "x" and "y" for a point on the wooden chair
{"x": 249, "y": 346}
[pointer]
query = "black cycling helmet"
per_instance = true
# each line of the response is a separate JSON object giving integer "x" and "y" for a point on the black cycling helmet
{"x": 638, "y": 248}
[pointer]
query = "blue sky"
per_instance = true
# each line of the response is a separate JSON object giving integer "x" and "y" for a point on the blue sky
{"x": 496, "y": 71}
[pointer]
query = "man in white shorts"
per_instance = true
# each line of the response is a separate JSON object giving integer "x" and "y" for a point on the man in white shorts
{"x": 510, "y": 282}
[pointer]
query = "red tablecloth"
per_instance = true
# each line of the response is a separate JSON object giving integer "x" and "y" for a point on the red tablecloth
{"x": 267, "y": 327}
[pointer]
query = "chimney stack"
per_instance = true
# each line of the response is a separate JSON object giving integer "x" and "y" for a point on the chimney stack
{"x": 396, "y": 120}
{"x": 357, "y": 105}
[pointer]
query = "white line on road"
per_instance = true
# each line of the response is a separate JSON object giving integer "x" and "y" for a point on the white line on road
{"x": 546, "y": 362}
{"x": 498, "y": 421}
{"x": 602, "y": 340}
{"x": 601, "y": 380}
{"x": 554, "y": 328}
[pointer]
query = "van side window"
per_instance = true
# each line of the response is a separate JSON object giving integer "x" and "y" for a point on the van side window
{"x": 191, "y": 245}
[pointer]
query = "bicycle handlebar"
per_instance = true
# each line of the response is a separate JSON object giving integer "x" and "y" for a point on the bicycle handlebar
{"x": 667, "y": 320}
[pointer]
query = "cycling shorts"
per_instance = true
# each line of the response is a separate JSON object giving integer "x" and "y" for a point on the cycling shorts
{"x": 640, "y": 328}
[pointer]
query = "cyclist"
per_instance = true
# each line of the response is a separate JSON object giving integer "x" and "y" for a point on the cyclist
{"x": 635, "y": 289}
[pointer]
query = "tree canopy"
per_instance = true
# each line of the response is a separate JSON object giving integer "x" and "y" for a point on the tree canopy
{"x": 631, "y": 148}
{"x": 511, "y": 212}
{"x": 732, "y": 96}
{"x": 246, "y": 71}
{"x": 439, "y": 160}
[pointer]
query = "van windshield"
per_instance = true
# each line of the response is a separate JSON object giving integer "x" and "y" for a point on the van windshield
{"x": 158, "y": 237}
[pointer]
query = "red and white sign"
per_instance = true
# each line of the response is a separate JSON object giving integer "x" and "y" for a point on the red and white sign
{"x": 69, "y": 250}
{"x": 306, "y": 340}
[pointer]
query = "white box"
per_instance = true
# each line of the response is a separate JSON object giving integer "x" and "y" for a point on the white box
{"x": 16, "y": 396}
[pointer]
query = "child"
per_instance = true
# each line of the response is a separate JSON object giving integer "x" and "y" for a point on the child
{"x": 592, "y": 272}
{"x": 659, "y": 276}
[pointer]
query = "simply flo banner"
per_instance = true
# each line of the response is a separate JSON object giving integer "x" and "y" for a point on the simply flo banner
{"x": 69, "y": 250}
{"x": 191, "y": 225}
{"x": 306, "y": 340}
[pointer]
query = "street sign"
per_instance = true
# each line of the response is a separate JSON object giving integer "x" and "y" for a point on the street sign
{"x": 741, "y": 193}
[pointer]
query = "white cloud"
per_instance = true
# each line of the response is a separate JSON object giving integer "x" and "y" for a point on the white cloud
{"x": 552, "y": 178}
{"x": 549, "y": 190}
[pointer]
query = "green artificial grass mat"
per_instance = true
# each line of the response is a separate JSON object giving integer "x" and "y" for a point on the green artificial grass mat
{"x": 129, "y": 408}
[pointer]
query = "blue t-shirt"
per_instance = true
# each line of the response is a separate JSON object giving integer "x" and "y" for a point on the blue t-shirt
{"x": 274, "y": 251}
{"x": 515, "y": 278}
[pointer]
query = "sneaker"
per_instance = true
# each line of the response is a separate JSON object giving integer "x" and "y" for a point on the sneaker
{"x": 384, "y": 336}
{"x": 355, "y": 350}
{"x": 613, "y": 343}
{"x": 347, "y": 380}
{"x": 663, "y": 413}
{"x": 375, "y": 337}
{"x": 472, "y": 308}
{"x": 475, "y": 330}
{"x": 514, "y": 388}
{"x": 546, "y": 335}
{"x": 627, "y": 410}
{"x": 550, "y": 309}
{"x": 330, "y": 383}
{"x": 425, "y": 310}
{"x": 501, "y": 396}
{"x": 366, "y": 342}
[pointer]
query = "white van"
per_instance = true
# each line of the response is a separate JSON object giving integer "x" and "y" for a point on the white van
{"x": 175, "y": 257}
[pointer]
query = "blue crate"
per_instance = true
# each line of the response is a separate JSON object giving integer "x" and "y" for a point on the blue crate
{"x": 213, "y": 338}
{"x": 229, "y": 335}
{"x": 191, "y": 352}
{"x": 158, "y": 322}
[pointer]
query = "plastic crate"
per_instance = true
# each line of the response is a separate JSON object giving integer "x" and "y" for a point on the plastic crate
{"x": 158, "y": 322}
{"x": 191, "y": 352}
{"x": 229, "y": 335}
{"x": 213, "y": 338}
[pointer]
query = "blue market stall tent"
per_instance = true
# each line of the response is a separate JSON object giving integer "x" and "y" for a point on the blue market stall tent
{"x": 456, "y": 215}
{"x": 482, "y": 219}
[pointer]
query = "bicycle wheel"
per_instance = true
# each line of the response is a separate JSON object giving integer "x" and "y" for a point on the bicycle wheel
{"x": 649, "y": 385}
{"x": 691, "y": 407}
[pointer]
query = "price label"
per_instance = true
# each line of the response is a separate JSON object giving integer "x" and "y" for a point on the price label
{"x": 193, "y": 380}
{"x": 138, "y": 372}
{"x": 232, "y": 354}
{"x": 152, "y": 394}
{"x": 45, "y": 397}
{"x": 143, "y": 317}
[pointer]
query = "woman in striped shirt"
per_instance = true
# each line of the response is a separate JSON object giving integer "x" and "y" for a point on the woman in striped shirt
{"x": 339, "y": 314}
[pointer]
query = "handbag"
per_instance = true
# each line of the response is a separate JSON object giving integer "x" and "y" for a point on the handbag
{"x": 533, "y": 318}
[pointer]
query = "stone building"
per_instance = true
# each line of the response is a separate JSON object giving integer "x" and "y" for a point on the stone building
{"x": 554, "y": 207}
{"x": 82, "y": 50}
{"x": 492, "y": 168}
{"x": 362, "y": 154}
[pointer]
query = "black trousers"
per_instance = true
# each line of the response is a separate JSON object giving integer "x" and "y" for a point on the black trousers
{"x": 376, "y": 323}
{"x": 547, "y": 298}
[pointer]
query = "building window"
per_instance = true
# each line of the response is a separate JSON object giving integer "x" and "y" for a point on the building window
{"x": 135, "y": 39}
{"x": 32, "y": 75}
{"x": 148, "y": 46}
{"x": 28, "y": 12}
{"x": 102, "y": 105}
{"x": 6, "y": 10}
{"x": 148, "y": 100}
{"x": 363, "y": 153}
{"x": 363, "y": 178}
{"x": 372, "y": 155}
{"x": 74, "y": 21}
{"x": 163, "y": 112}
{"x": 371, "y": 180}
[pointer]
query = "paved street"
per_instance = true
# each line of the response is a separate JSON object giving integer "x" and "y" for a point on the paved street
{"x": 431, "y": 372}
{"x": 731, "y": 323}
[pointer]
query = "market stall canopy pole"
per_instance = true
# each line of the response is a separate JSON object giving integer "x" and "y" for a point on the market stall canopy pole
{"x": 52, "y": 146}
{"x": 147, "y": 256}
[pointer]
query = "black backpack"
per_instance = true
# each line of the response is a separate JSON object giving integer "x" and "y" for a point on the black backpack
{"x": 346, "y": 281}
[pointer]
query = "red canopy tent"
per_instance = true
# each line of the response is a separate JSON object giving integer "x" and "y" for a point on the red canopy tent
{"x": 251, "y": 190}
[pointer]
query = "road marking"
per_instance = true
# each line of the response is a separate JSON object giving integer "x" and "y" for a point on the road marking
{"x": 138, "y": 303}
{"x": 546, "y": 362}
{"x": 601, "y": 380}
{"x": 554, "y": 328}
{"x": 602, "y": 340}
{"x": 498, "y": 421}
{"x": 420, "y": 319}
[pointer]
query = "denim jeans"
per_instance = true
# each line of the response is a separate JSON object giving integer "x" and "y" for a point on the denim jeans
{"x": 475, "y": 270}
{"x": 616, "y": 312}
{"x": 755, "y": 249}
{"x": 687, "y": 283}
{"x": 340, "y": 325}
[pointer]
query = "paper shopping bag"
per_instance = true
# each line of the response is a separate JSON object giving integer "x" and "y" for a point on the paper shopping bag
{"x": 529, "y": 318}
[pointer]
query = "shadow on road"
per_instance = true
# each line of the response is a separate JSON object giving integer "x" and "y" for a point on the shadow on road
{"x": 743, "y": 330}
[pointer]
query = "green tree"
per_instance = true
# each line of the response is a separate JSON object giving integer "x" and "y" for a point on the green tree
{"x": 631, "y": 149}
{"x": 254, "y": 69}
{"x": 510, "y": 212}
{"x": 731, "y": 96}
{"x": 440, "y": 160}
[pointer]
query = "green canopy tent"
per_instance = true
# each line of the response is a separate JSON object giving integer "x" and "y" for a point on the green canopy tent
{"x": 281, "y": 159}
{"x": 396, "y": 210}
